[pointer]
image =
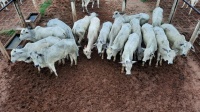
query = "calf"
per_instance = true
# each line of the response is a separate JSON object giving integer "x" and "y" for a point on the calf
{"x": 164, "y": 50}
{"x": 92, "y": 36}
{"x": 118, "y": 22}
{"x": 157, "y": 16}
{"x": 127, "y": 55}
{"x": 3, "y": 3}
{"x": 39, "y": 33}
{"x": 150, "y": 42}
{"x": 86, "y": 2}
{"x": 48, "y": 56}
{"x": 81, "y": 26}
{"x": 119, "y": 41}
{"x": 136, "y": 28}
{"x": 192, "y": 3}
{"x": 143, "y": 17}
{"x": 65, "y": 27}
{"x": 23, "y": 54}
{"x": 103, "y": 37}
{"x": 176, "y": 40}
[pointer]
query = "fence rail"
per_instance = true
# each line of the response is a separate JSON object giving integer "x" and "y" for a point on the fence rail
{"x": 191, "y": 6}
{"x": 6, "y": 5}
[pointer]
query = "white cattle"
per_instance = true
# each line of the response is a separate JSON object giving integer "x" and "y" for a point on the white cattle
{"x": 129, "y": 49}
{"x": 143, "y": 17}
{"x": 23, "y": 54}
{"x": 86, "y": 2}
{"x": 118, "y": 22}
{"x": 157, "y": 16}
{"x": 57, "y": 22}
{"x": 39, "y": 33}
{"x": 103, "y": 37}
{"x": 119, "y": 41}
{"x": 46, "y": 57}
{"x": 164, "y": 50}
{"x": 81, "y": 26}
{"x": 92, "y": 36}
{"x": 176, "y": 40}
{"x": 150, "y": 42}
{"x": 192, "y": 3}
{"x": 136, "y": 28}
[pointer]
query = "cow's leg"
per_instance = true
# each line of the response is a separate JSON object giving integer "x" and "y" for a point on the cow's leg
{"x": 183, "y": 5}
{"x": 75, "y": 59}
{"x": 122, "y": 70}
{"x": 52, "y": 67}
{"x": 114, "y": 59}
{"x": 150, "y": 61}
{"x": 190, "y": 11}
{"x": 59, "y": 62}
{"x": 158, "y": 58}
{"x": 102, "y": 55}
{"x": 63, "y": 61}
{"x": 38, "y": 69}
{"x": 71, "y": 59}
{"x": 161, "y": 61}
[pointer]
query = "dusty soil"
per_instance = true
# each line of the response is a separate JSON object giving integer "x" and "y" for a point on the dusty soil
{"x": 98, "y": 85}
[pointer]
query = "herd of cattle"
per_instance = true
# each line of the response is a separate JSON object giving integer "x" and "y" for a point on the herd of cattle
{"x": 129, "y": 35}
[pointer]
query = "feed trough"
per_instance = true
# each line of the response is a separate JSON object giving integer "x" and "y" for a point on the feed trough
{"x": 32, "y": 19}
{"x": 13, "y": 42}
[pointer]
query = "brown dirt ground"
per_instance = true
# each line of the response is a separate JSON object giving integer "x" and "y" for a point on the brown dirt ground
{"x": 98, "y": 85}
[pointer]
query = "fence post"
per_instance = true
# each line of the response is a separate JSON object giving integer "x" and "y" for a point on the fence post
{"x": 173, "y": 10}
{"x": 19, "y": 13}
{"x": 73, "y": 10}
{"x": 195, "y": 33}
{"x": 123, "y": 5}
{"x": 158, "y": 3}
{"x": 4, "y": 52}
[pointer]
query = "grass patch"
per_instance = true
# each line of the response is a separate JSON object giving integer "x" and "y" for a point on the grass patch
{"x": 143, "y": 0}
{"x": 44, "y": 6}
{"x": 7, "y": 32}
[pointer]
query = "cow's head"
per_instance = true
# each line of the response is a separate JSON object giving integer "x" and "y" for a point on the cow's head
{"x": 186, "y": 46}
{"x": 87, "y": 52}
{"x": 128, "y": 66}
{"x": 25, "y": 34}
{"x": 116, "y": 14}
{"x": 100, "y": 45}
{"x": 148, "y": 54}
{"x": 109, "y": 53}
{"x": 170, "y": 55}
{"x": 38, "y": 58}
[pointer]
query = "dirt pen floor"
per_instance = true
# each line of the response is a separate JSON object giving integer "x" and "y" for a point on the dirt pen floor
{"x": 96, "y": 84}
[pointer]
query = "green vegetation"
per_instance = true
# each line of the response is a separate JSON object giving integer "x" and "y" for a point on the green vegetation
{"x": 7, "y": 32}
{"x": 44, "y": 6}
{"x": 143, "y": 0}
